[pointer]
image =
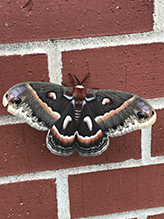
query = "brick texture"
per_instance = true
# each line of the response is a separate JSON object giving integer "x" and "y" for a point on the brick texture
{"x": 65, "y": 19}
{"x": 30, "y": 199}
{"x": 159, "y": 216}
{"x": 157, "y": 135}
{"x": 133, "y": 68}
{"x": 111, "y": 191}
{"x": 15, "y": 69}
{"x": 23, "y": 150}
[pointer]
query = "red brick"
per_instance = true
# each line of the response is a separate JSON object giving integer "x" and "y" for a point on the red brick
{"x": 23, "y": 150}
{"x": 30, "y": 21}
{"x": 133, "y": 68}
{"x": 159, "y": 216}
{"x": 15, "y": 69}
{"x": 30, "y": 199}
{"x": 112, "y": 191}
{"x": 157, "y": 135}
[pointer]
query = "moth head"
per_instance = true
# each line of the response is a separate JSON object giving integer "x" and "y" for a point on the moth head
{"x": 15, "y": 96}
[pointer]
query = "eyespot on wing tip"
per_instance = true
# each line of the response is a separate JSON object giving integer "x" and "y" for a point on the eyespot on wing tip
{"x": 151, "y": 121}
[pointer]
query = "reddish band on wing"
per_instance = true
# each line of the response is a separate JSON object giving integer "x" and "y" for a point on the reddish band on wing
{"x": 63, "y": 138}
{"x": 89, "y": 139}
{"x": 98, "y": 119}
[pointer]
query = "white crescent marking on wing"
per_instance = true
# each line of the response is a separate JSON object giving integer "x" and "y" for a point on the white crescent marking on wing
{"x": 52, "y": 95}
{"x": 105, "y": 101}
{"x": 66, "y": 121}
{"x": 88, "y": 121}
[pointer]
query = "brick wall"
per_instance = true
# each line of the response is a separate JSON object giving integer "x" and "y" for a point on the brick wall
{"x": 121, "y": 44}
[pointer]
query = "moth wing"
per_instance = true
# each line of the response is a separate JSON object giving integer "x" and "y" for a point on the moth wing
{"x": 91, "y": 140}
{"x": 119, "y": 112}
{"x": 61, "y": 137}
{"x": 37, "y": 103}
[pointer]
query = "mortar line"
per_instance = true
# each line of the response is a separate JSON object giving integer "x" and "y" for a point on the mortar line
{"x": 54, "y": 65}
{"x": 63, "y": 197}
{"x": 51, "y": 174}
{"x": 146, "y": 145}
{"x": 140, "y": 214}
{"x": 24, "y": 48}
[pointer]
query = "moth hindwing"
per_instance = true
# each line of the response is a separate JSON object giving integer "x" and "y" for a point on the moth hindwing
{"x": 78, "y": 118}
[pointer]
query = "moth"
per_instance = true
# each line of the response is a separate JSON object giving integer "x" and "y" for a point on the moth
{"x": 78, "y": 118}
